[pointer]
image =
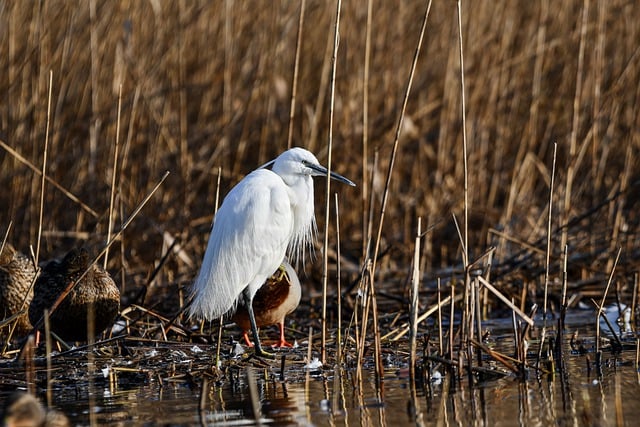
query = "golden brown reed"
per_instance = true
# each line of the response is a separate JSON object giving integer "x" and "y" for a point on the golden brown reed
{"x": 204, "y": 85}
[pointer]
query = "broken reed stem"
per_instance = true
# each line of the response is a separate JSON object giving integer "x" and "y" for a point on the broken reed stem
{"x": 548, "y": 254}
{"x": 601, "y": 305}
{"x": 413, "y": 309}
{"x": 296, "y": 66}
{"x": 44, "y": 167}
{"x": 113, "y": 176}
{"x": 325, "y": 245}
{"x": 464, "y": 139}
{"x": 405, "y": 329}
{"x": 396, "y": 141}
{"x": 504, "y": 299}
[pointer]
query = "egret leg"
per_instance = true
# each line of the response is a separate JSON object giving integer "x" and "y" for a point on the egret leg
{"x": 248, "y": 301}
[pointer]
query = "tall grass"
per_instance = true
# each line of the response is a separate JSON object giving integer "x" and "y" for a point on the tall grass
{"x": 208, "y": 85}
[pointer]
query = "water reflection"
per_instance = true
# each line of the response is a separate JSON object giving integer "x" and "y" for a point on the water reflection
{"x": 578, "y": 396}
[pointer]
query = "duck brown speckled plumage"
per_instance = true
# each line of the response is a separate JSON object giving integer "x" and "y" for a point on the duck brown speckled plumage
{"x": 279, "y": 296}
{"x": 69, "y": 320}
{"x": 16, "y": 274}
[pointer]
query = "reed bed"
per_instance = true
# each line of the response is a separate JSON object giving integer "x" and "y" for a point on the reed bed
{"x": 540, "y": 158}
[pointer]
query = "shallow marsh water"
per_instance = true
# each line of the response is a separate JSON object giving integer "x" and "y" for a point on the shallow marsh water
{"x": 146, "y": 395}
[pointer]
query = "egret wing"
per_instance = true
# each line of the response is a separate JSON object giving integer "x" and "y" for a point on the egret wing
{"x": 248, "y": 241}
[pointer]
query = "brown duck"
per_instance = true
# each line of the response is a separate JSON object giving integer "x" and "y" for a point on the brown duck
{"x": 16, "y": 274}
{"x": 279, "y": 296}
{"x": 96, "y": 289}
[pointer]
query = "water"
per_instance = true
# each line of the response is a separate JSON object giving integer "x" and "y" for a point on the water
{"x": 163, "y": 388}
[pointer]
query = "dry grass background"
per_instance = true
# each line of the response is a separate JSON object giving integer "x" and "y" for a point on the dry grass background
{"x": 207, "y": 85}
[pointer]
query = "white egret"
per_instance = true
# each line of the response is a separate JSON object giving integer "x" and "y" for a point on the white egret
{"x": 265, "y": 216}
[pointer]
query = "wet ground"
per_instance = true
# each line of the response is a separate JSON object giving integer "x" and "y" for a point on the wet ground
{"x": 138, "y": 382}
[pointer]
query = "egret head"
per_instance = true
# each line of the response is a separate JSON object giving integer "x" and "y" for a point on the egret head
{"x": 296, "y": 167}
{"x": 297, "y": 162}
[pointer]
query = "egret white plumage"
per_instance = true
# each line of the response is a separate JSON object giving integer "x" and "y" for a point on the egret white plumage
{"x": 268, "y": 214}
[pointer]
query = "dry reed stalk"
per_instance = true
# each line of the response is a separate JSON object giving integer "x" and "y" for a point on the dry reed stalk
{"x": 95, "y": 118}
{"x": 413, "y": 307}
{"x": 215, "y": 211}
{"x": 505, "y": 300}
{"x": 366, "y": 224}
{"x": 548, "y": 253}
{"x": 47, "y": 336}
{"x": 463, "y": 107}
{"x": 634, "y": 300}
{"x": 377, "y": 344}
{"x": 597, "y": 91}
{"x": 6, "y": 235}
{"x": 478, "y": 318}
{"x": 114, "y": 172}
{"x": 365, "y": 289}
{"x": 503, "y": 359}
{"x": 296, "y": 67}
{"x": 440, "y": 334}
{"x": 396, "y": 141}
{"x": 91, "y": 338}
{"x": 322, "y": 91}
{"x": 572, "y": 166}
{"x": 451, "y": 319}
{"x": 44, "y": 167}
{"x": 339, "y": 328}
{"x": 307, "y": 374}
{"x": 401, "y": 331}
{"x": 563, "y": 314}
{"x": 325, "y": 244}
{"x": 600, "y": 306}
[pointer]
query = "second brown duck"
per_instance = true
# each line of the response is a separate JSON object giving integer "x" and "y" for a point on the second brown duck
{"x": 96, "y": 291}
{"x": 278, "y": 297}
